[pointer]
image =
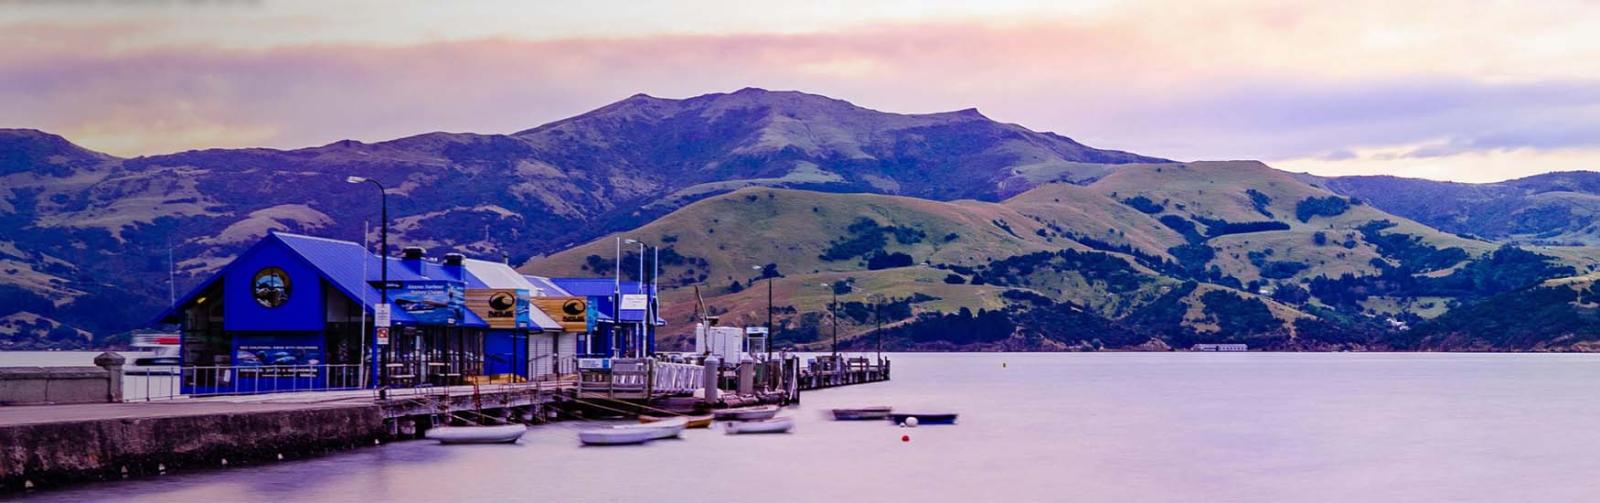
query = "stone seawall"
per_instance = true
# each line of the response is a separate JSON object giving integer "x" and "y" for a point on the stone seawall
{"x": 43, "y": 454}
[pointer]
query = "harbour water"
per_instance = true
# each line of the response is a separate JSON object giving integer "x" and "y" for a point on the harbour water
{"x": 1037, "y": 427}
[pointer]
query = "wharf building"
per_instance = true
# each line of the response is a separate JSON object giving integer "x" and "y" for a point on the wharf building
{"x": 296, "y": 312}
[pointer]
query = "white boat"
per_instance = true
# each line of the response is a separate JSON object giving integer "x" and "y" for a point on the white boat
{"x": 616, "y": 436}
{"x": 501, "y": 434}
{"x": 770, "y": 425}
{"x": 666, "y": 428}
{"x": 755, "y": 413}
{"x": 162, "y": 359}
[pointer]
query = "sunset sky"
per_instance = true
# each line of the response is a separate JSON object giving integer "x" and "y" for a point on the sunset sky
{"x": 1457, "y": 90}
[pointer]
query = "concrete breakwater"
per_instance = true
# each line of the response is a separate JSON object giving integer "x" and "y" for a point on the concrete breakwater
{"x": 109, "y": 441}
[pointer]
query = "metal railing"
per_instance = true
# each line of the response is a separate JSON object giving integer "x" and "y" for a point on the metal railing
{"x": 216, "y": 380}
{"x": 678, "y": 377}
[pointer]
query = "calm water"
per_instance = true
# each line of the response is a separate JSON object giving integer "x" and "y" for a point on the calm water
{"x": 1083, "y": 427}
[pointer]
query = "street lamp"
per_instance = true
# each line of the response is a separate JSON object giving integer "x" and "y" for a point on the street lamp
{"x": 639, "y": 349}
{"x": 770, "y": 334}
{"x": 833, "y": 313}
{"x": 383, "y": 199}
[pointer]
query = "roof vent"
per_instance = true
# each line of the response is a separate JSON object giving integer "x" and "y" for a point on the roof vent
{"x": 454, "y": 259}
{"x": 412, "y": 253}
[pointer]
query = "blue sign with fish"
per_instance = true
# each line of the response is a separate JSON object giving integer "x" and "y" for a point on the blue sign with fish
{"x": 430, "y": 302}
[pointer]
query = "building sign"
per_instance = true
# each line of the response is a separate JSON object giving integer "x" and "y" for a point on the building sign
{"x": 634, "y": 301}
{"x": 430, "y": 302}
{"x": 502, "y": 308}
{"x": 278, "y": 360}
{"x": 594, "y": 363}
{"x": 270, "y": 287}
{"x": 571, "y": 312}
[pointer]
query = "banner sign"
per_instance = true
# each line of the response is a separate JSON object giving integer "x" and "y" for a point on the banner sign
{"x": 278, "y": 360}
{"x": 571, "y": 312}
{"x": 501, "y": 307}
{"x": 430, "y": 302}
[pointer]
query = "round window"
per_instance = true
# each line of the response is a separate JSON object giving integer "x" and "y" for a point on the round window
{"x": 271, "y": 287}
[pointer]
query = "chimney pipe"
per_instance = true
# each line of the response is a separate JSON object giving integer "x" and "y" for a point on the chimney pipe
{"x": 454, "y": 259}
{"x": 412, "y": 253}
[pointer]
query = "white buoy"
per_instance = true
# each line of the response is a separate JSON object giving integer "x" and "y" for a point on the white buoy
{"x": 911, "y": 422}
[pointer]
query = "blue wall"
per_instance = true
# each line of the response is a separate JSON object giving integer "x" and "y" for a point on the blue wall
{"x": 505, "y": 352}
{"x": 302, "y": 312}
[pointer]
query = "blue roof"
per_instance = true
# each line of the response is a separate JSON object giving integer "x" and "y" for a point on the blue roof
{"x": 349, "y": 267}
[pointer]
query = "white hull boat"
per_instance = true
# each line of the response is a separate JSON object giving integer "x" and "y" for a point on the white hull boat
{"x": 666, "y": 428}
{"x": 616, "y": 436}
{"x": 756, "y": 413}
{"x": 772, "y": 425}
{"x": 501, "y": 434}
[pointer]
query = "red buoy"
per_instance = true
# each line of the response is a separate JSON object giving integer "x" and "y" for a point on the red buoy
{"x": 905, "y": 438}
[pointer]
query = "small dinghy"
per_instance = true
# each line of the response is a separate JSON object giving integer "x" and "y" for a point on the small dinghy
{"x": 933, "y": 418}
{"x": 770, "y": 425}
{"x": 694, "y": 421}
{"x": 616, "y": 436}
{"x": 862, "y": 413}
{"x": 665, "y": 428}
{"x": 501, "y": 434}
{"x": 756, "y": 413}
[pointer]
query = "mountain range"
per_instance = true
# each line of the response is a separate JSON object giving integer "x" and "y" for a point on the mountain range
{"x": 975, "y": 234}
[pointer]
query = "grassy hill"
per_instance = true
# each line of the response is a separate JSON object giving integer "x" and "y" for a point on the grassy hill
{"x": 1168, "y": 253}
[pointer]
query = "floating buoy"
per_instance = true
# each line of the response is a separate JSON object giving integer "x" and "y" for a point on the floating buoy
{"x": 911, "y": 422}
{"x": 280, "y": 456}
{"x": 905, "y": 438}
{"x": 224, "y": 461}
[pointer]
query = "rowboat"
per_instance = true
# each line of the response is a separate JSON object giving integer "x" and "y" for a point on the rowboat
{"x": 862, "y": 413}
{"x": 501, "y": 434}
{"x": 931, "y": 418}
{"x": 755, "y": 413}
{"x": 616, "y": 436}
{"x": 694, "y": 421}
{"x": 665, "y": 428}
{"x": 770, "y": 425}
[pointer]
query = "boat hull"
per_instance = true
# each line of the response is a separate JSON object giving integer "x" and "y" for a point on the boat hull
{"x": 502, "y": 434}
{"x": 748, "y": 413}
{"x": 862, "y": 414}
{"x": 933, "y": 418}
{"x": 772, "y": 425}
{"x": 695, "y": 422}
{"x": 666, "y": 428}
{"x": 616, "y": 436}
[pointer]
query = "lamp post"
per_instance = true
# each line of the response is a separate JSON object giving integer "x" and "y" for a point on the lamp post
{"x": 383, "y": 200}
{"x": 770, "y": 334}
{"x": 639, "y": 342}
{"x": 833, "y": 313}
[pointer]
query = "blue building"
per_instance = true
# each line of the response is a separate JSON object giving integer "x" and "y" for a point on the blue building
{"x": 625, "y": 316}
{"x": 298, "y": 312}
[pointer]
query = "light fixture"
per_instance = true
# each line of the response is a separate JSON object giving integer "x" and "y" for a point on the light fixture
{"x": 354, "y": 179}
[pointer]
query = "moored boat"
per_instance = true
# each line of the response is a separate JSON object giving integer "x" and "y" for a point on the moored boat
{"x": 616, "y": 436}
{"x": 925, "y": 418}
{"x": 695, "y": 422}
{"x": 499, "y": 434}
{"x": 755, "y": 413}
{"x": 665, "y": 428}
{"x": 769, "y": 425}
{"x": 862, "y": 413}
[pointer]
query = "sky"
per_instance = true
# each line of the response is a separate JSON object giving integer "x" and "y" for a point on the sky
{"x": 1461, "y": 90}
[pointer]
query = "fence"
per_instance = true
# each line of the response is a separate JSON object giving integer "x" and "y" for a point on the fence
{"x": 216, "y": 380}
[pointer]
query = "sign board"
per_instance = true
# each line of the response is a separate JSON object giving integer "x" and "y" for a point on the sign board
{"x": 381, "y": 315}
{"x": 500, "y": 307}
{"x": 571, "y": 312}
{"x": 635, "y": 301}
{"x": 431, "y": 302}
{"x": 594, "y": 363}
{"x": 755, "y": 330}
{"x": 383, "y": 336}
